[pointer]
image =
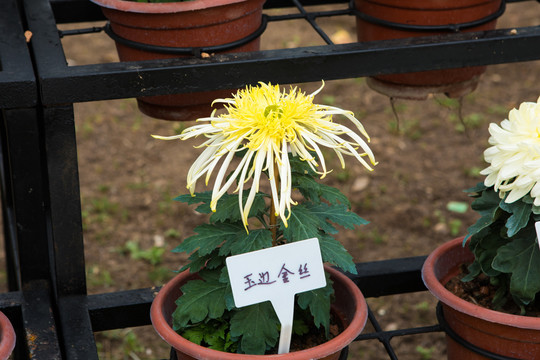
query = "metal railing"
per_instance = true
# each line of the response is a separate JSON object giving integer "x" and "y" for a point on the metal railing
{"x": 47, "y": 300}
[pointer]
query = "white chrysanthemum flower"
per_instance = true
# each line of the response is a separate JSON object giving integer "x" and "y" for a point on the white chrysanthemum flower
{"x": 515, "y": 154}
{"x": 270, "y": 123}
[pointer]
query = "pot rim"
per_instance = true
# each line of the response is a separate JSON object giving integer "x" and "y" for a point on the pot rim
{"x": 355, "y": 327}
{"x": 423, "y": 5}
{"x": 162, "y": 8}
{"x": 7, "y": 341}
{"x": 445, "y": 296}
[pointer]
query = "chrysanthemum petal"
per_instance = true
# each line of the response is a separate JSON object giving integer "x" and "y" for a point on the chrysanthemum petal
{"x": 270, "y": 123}
{"x": 514, "y": 156}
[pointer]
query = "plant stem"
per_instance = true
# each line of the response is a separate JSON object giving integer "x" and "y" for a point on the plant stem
{"x": 273, "y": 217}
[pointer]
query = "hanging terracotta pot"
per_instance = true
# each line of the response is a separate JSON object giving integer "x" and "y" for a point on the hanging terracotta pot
{"x": 189, "y": 24}
{"x": 482, "y": 332}
{"x": 397, "y": 19}
{"x": 7, "y": 337}
{"x": 349, "y": 306}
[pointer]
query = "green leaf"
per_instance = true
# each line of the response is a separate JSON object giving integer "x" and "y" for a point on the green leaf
{"x": 474, "y": 271}
{"x": 521, "y": 213}
{"x": 200, "y": 299}
{"x": 256, "y": 240}
{"x": 332, "y": 251}
{"x": 334, "y": 196}
{"x": 308, "y": 187}
{"x": 195, "y": 334}
{"x": 486, "y": 249}
{"x": 486, "y": 205}
{"x": 477, "y": 189}
{"x": 318, "y": 301}
{"x": 257, "y": 326}
{"x": 213, "y": 334}
{"x": 300, "y": 327}
{"x": 216, "y": 338}
{"x": 197, "y": 262}
{"x": 521, "y": 258}
{"x": 303, "y": 224}
{"x": 228, "y": 209}
{"x": 314, "y": 191}
{"x": 338, "y": 214}
{"x": 209, "y": 237}
{"x": 301, "y": 167}
{"x": 204, "y": 198}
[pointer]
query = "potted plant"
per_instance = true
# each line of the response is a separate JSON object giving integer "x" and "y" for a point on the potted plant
{"x": 7, "y": 337}
{"x": 164, "y": 29}
{"x": 398, "y": 19}
{"x": 277, "y": 135}
{"x": 489, "y": 281}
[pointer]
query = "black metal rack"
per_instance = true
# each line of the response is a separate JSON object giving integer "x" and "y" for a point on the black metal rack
{"x": 47, "y": 300}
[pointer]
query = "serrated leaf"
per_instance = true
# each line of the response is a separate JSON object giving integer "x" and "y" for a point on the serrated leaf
{"x": 224, "y": 279}
{"x": 338, "y": 214}
{"x": 256, "y": 240}
{"x": 521, "y": 258}
{"x": 196, "y": 198}
{"x": 308, "y": 187}
{"x": 197, "y": 262}
{"x": 195, "y": 334}
{"x": 318, "y": 301}
{"x": 260, "y": 325}
{"x": 485, "y": 251}
{"x": 301, "y": 167}
{"x": 334, "y": 196}
{"x": 228, "y": 209}
{"x": 302, "y": 224}
{"x": 477, "y": 189}
{"x": 474, "y": 271}
{"x": 332, "y": 251}
{"x": 486, "y": 205}
{"x": 209, "y": 237}
{"x": 215, "y": 337}
{"x": 300, "y": 327}
{"x": 521, "y": 213}
{"x": 203, "y": 197}
{"x": 200, "y": 299}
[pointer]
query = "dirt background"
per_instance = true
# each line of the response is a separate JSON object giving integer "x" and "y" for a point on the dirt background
{"x": 128, "y": 180}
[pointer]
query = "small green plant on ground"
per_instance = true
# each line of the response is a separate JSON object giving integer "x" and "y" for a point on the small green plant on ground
{"x": 153, "y": 254}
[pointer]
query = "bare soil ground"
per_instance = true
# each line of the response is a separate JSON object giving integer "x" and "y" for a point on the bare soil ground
{"x": 128, "y": 180}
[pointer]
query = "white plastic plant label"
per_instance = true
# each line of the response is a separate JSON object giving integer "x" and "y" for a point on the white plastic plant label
{"x": 277, "y": 274}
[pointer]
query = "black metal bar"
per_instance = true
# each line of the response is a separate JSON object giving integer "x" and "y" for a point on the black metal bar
{"x": 28, "y": 215}
{"x": 39, "y": 173}
{"x": 17, "y": 81}
{"x": 64, "y": 200}
{"x": 107, "y": 311}
{"x": 13, "y": 268}
{"x": 131, "y": 79}
{"x": 40, "y": 331}
{"x": 389, "y": 277}
{"x": 76, "y": 328}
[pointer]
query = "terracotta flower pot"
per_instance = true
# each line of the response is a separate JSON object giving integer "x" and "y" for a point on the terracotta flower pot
{"x": 198, "y": 23}
{"x": 349, "y": 305}
{"x": 499, "y": 333}
{"x": 7, "y": 337}
{"x": 418, "y": 85}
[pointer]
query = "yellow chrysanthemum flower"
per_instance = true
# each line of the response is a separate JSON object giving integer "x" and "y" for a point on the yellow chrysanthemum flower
{"x": 269, "y": 124}
{"x": 515, "y": 154}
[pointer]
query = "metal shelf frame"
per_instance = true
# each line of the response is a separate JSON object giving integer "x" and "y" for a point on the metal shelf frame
{"x": 47, "y": 299}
